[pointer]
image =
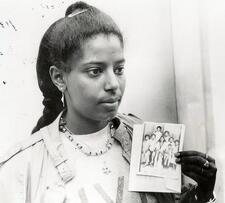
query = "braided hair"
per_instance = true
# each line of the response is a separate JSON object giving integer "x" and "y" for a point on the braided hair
{"x": 63, "y": 39}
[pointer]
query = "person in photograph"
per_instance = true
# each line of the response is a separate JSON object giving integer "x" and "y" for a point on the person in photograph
{"x": 152, "y": 149}
{"x": 171, "y": 141}
{"x": 81, "y": 135}
{"x": 176, "y": 146}
{"x": 173, "y": 159}
{"x": 159, "y": 152}
{"x": 145, "y": 150}
{"x": 167, "y": 155}
{"x": 158, "y": 132}
{"x": 166, "y": 135}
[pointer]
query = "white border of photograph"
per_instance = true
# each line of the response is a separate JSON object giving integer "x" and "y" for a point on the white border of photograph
{"x": 154, "y": 180}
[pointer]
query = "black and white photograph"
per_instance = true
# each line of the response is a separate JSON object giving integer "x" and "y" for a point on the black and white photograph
{"x": 153, "y": 165}
{"x": 95, "y": 94}
{"x": 160, "y": 143}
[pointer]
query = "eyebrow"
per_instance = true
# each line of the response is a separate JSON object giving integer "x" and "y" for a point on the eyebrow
{"x": 102, "y": 63}
{"x": 120, "y": 61}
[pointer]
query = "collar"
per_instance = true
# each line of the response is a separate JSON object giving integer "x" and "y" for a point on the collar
{"x": 55, "y": 147}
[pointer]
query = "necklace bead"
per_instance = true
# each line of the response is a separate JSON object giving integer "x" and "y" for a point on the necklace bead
{"x": 84, "y": 148}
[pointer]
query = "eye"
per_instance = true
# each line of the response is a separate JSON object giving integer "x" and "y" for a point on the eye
{"x": 119, "y": 70}
{"x": 94, "y": 72}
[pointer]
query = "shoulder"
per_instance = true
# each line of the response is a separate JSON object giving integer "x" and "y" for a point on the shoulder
{"x": 21, "y": 149}
{"x": 129, "y": 119}
{"x": 15, "y": 168}
{"x": 124, "y": 124}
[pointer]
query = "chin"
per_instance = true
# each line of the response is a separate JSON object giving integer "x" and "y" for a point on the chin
{"x": 109, "y": 115}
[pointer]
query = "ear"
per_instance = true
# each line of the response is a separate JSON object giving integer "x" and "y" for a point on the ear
{"x": 57, "y": 78}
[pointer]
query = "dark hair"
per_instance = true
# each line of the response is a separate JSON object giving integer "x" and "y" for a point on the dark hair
{"x": 159, "y": 127}
{"x": 63, "y": 39}
{"x": 166, "y": 132}
{"x": 171, "y": 138}
{"x": 153, "y": 135}
{"x": 147, "y": 135}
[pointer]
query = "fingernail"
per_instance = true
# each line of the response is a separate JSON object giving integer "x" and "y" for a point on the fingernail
{"x": 177, "y": 154}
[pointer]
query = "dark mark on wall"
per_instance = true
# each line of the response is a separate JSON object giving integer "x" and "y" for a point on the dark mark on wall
{"x": 47, "y": 6}
{"x": 1, "y": 54}
{"x": 2, "y": 25}
{"x": 8, "y": 24}
{"x": 12, "y": 25}
{"x": 4, "y": 82}
{"x": 42, "y": 16}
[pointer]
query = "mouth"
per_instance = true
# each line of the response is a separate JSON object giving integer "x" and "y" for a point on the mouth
{"x": 111, "y": 103}
{"x": 111, "y": 100}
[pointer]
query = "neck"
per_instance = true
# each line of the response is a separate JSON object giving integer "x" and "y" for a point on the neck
{"x": 79, "y": 124}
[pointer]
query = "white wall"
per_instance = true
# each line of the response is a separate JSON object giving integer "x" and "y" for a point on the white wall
{"x": 146, "y": 25}
{"x": 198, "y": 29}
{"x": 214, "y": 13}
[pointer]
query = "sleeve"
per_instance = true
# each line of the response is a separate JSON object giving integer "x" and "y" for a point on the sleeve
{"x": 12, "y": 182}
{"x": 188, "y": 194}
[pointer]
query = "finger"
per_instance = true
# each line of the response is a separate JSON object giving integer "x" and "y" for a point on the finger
{"x": 210, "y": 159}
{"x": 196, "y": 160}
{"x": 195, "y": 153}
{"x": 196, "y": 177}
{"x": 191, "y": 153}
{"x": 198, "y": 170}
{"x": 202, "y": 182}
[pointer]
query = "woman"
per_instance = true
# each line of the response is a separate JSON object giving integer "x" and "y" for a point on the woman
{"x": 80, "y": 150}
{"x": 145, "y": 150}
{"x": 159, "y": 152}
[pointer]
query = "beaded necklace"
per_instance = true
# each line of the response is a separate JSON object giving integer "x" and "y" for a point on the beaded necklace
{"x": 84, "y": 148}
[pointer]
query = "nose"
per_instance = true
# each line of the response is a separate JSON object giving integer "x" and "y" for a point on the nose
{"x": 111, "y": 81}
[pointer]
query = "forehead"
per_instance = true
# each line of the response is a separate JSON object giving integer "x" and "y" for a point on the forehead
{"x": 102, "y": 46}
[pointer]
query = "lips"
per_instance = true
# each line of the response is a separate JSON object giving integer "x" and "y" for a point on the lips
{"x": 110, "y": 104}
{"x": 111, "y": 100}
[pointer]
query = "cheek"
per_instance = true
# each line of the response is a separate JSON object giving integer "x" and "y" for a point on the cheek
{"x": 122, "y": 82}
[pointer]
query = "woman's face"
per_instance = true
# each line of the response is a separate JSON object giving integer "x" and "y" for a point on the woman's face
{"x": 171, "y": 139}
{"x": 96, "y": 82}
{"x": 166, "y": 138}
{"x": 153, "y": 137}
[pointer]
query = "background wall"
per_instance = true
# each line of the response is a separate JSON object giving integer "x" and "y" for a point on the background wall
{"x": 148, "y": 50}
{"x": 198, "y": 29}
{"x": 175, "y": 57}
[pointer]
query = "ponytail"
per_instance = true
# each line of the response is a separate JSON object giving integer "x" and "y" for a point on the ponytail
{"x": 52, "y": 108}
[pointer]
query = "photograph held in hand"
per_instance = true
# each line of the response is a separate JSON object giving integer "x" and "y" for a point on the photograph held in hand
{"x": 82, "y": 149}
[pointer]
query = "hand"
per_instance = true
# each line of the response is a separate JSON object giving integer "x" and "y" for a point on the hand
{"x": 201, "y": 168}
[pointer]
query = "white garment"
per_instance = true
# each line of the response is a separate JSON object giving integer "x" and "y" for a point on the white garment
{"x": 158, "y": 134}
{"x": 97, "y": 176}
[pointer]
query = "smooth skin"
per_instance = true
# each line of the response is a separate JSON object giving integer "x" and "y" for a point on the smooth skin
{"x": 95, "y": 85}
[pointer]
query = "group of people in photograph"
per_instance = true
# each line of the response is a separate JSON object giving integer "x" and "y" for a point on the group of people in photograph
{"x": 159, "y": 148}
